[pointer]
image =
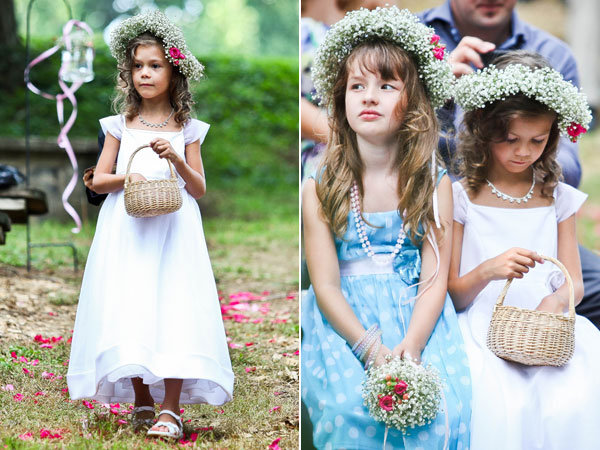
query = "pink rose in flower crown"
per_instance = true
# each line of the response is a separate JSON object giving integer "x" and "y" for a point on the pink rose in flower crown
{"x": 400, "y": 388}
{"x": 438, "y": 52}
{"x": 574, "y": 130}
{"x": 386, "y": 402}
{"x": 175, "y": 53}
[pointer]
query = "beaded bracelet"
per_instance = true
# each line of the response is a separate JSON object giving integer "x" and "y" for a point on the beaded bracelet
{"x": 359, "y": 345}
{"x": 365, "y": 344}
{"x": 373, "y": 355}
{"x": 372, "y": 339}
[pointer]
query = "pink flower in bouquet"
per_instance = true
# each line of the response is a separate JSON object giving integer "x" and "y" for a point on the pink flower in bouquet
{"x": 434, "y": 39}
{"x": 386, "y": 403}
{"x": 400, "y": 388}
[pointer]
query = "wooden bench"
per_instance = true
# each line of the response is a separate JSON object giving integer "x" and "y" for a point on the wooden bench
{"x": 16, "y": 204}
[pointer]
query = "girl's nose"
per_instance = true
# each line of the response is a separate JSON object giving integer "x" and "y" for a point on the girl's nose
{"x": 522, "y": 150}
{"x": 370, "y": 96}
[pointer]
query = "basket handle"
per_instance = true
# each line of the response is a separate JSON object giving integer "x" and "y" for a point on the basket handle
{"x": 131, "y": 160}
{"x": 567, "y": 277}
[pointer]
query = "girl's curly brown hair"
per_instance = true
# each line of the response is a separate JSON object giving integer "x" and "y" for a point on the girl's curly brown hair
{"x": 128, "y": 101}
{"x": 483, "y": 127}
{"x": 416, "y": 140}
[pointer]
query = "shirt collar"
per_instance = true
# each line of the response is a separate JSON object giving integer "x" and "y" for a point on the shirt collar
{"x": 444, "y": 13}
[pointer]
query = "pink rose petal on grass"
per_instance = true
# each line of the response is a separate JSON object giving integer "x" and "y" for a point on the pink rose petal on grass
{"x": 8, "y": 387}
{"x": 122, "y": 422}
{"x": 249, "y": 344}
{"x": 18, "y": 397}
{"x": 26, "y": 436}
{"x": 275, "y": 444}
{"x": 47, "y": 434}
{"x": 250, "y": 369}
{"x": 275, "y": 408}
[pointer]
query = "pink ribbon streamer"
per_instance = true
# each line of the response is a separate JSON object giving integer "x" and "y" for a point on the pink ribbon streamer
{"x": 68, "y": 92}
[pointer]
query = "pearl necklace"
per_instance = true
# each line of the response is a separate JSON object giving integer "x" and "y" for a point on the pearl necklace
{"x": 157, "y": 125}
{"x": 511, "y": 199}
{"x": 379, "y": 259}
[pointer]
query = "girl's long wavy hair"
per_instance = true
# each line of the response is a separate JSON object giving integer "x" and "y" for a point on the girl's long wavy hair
{"x": 416, "y": 139}
{"x": 128, "y": 101}
{"x": 483, "y": 127}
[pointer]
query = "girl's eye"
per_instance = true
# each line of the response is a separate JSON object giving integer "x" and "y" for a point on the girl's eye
{"x": 137, "y": 65}
{"x": 511, "y": 140}
{"x": 155, "y": 66}
{"x": 356, "y": 86}
{"x": 387, "y": 87}
{"x": 538, "y": 141}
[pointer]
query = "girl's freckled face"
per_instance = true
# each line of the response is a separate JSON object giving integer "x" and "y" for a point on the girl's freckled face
{"x": 372, "y": 105}
{"x": 151, "y": 72}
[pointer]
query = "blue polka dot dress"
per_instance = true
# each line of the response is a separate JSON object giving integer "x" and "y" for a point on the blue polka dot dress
{"x": 332, "y": 375}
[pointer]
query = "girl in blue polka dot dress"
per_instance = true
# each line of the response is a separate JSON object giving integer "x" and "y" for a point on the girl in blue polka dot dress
{"x": 377, "y": 226}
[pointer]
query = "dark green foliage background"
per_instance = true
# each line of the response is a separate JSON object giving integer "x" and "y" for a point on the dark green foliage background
{"x": 250, "y": 102}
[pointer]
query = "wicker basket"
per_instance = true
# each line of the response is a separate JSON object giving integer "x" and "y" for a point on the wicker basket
{"x": 533, "y": 338}
{"x": 152, "y": 197}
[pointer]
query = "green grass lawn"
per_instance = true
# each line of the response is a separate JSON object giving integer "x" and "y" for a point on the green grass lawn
{"x": 589, "y": 215}
{"x": 254, "y": 250}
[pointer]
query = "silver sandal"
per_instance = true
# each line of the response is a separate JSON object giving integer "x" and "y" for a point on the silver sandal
{"x": 139, "y": 423}
{"x": 175, "y": 431}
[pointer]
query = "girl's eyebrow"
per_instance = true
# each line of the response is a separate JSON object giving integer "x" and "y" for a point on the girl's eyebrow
{"x": 151, "y": 60}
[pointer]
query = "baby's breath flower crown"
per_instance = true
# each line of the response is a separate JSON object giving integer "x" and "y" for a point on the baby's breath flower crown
{"x": 156, "y": 23}
{"x": 400, "y": 27}
{"x": 545, "y": 85}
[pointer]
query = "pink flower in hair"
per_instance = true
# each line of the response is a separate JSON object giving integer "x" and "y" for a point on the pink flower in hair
{"x": 174, "y": 52}
{"x": 438, "y": 52}
{"x": 574, "y": 130}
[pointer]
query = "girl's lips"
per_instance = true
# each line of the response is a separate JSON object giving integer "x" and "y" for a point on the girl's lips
{"x": 369, "y": 115}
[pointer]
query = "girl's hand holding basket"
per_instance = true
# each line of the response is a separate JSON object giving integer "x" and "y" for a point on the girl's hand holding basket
{"x": 513, "y": 263}
{"x": 164, "y": 150}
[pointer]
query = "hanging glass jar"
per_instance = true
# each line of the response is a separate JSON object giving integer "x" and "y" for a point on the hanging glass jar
{"x": 77, "y": 57}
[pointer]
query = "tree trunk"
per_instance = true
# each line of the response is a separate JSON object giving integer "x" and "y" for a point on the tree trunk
{"x": 8, "y": 25}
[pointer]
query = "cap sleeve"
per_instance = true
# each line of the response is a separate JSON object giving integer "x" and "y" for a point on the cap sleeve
{"x": 568, "y": 200}
{"x": 460, "y": 202}
{"x": 195, "y": 130}
{"x": 113, "y": 125}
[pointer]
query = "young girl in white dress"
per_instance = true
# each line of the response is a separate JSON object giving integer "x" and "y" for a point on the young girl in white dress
{"x": 509, "y": 208}
{"x": 148, "y": 326}
{"x": 371, "y": 236}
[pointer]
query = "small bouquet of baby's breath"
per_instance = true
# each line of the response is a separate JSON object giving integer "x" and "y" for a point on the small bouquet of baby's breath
{"x": 402, "y": 394}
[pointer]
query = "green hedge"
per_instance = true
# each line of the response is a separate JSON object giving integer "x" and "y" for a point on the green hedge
{"x": 251, "y": 103}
